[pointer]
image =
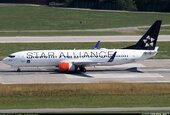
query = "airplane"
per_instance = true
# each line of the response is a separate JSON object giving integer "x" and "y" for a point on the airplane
{"x": 97, "y": 45}
{"x": 77, "y": 60}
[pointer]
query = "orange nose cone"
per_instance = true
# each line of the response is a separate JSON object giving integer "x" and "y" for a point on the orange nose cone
{"x": 64, "y": 66}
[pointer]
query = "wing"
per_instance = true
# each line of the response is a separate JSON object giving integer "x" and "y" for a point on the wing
{"x": 89, "y": 62}
{"x": 86, "y": 62}
{"x": 82, "y": 62}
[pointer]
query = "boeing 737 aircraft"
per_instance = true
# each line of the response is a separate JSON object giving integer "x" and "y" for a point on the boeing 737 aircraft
{"x": 77, "y": 60}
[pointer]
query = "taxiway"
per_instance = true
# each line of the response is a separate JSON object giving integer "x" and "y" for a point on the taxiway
{"x": 151, "y": 70}
{"x": 33, "y": 39}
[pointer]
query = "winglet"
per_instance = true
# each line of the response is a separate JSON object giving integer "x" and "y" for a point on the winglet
{"x": 112, "y": 58}
{"x": 97, "y": 44}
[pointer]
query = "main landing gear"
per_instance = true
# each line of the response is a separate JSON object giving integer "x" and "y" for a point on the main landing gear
{"x": 82, "y": 69}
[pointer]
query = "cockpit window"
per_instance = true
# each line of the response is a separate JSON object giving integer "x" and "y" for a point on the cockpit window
{"x": 11, "y": 56}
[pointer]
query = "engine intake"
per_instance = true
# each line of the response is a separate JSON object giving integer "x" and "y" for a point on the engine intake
{"x": 67, "y": 67}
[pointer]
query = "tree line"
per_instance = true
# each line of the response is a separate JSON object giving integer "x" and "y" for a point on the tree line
{"x": 41, "y": 2}
{"x": 130, "y": 5}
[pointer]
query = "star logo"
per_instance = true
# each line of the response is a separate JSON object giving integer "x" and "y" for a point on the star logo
{"x": 148, "y": 41}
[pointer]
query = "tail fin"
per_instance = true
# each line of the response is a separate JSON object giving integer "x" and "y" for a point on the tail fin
{"x": 149, "y": 39}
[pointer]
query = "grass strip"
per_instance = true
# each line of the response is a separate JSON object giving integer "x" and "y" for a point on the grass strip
{"x": 83, "y": 89}
{"x": 8, "y": 48}
{"x": 85, "y": 101}
{"x": 51, "y": 18}
{"x": 82, "y": 33}
{"x": 84, "y": 95}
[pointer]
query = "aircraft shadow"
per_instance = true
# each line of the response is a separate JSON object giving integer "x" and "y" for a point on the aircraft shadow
{"x": 82, "y": 75}
{"x": 134, "y": 69}
{"x": 78, "y": 73}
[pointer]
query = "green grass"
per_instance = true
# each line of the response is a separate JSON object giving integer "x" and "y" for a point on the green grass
{"x": 165, "y": 33}
{"x": 8, "y": 48}
{"x": 23, "y": 17}
{"x": 166, "y": 27}
{"x": 26, "y": 17}
{"x": 20, "y": 96}
{"x": 85, "y": 101}
{"x": 83, "y": 33}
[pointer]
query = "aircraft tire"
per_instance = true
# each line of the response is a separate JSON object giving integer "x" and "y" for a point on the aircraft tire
{"x": 83, "y": 69}
{"x": 18, "y": 70}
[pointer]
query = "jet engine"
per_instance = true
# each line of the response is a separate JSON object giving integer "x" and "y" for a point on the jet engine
{"x": 67, "y": 67}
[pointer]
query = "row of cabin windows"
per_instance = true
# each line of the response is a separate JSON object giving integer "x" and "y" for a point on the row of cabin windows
{"x": 121, "y": 55}
{"x": 74, "y": 56}
{"x": 12, "y": 56}
{"x": 63, "y": 56}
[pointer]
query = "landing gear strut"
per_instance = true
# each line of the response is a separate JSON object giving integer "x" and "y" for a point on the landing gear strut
{"x": 18, "y": 70}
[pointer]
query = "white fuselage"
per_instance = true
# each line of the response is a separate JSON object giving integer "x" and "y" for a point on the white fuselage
{"x": 38, "y": 58}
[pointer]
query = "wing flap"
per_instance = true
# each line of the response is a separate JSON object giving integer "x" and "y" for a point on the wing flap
{"x": 86, "y": 62}
{"x": 82, "y": 62}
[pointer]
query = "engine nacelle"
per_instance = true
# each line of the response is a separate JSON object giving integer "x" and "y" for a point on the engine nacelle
{"x": 67, "y": 67}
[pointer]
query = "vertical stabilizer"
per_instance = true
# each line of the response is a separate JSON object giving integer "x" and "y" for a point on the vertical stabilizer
{"x": 149, "y": 39}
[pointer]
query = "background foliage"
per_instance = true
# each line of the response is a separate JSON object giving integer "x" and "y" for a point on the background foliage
{"x": 132, "y": 5}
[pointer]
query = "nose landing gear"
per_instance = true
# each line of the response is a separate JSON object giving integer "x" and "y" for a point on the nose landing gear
{"x": 18, "y": 70}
